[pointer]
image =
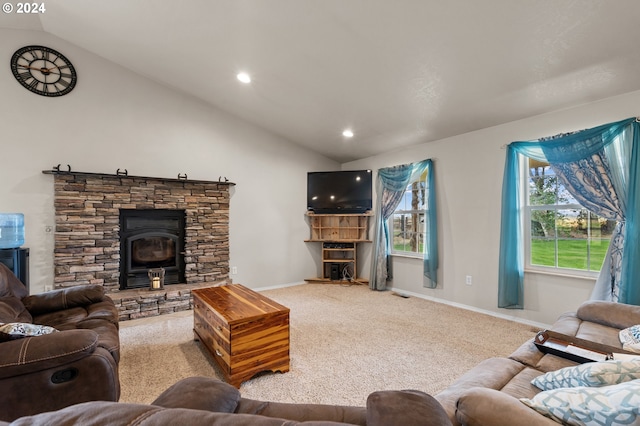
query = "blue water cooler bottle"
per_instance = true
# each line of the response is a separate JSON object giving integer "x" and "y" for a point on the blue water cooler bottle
{"x": 11, "y": 230}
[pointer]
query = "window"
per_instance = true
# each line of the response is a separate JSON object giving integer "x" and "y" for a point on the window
{"x": 561, "y": 233}
{"x": 407, "y": 223}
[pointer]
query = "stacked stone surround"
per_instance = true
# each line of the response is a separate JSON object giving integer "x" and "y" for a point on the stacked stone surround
{"x": 87, "y": 242}
{"x": 142, "y": 303}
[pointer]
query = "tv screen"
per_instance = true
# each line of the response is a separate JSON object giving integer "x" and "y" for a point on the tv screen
{"x": 339, "y": 192}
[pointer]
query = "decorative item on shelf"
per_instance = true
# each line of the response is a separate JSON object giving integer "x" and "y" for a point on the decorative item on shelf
{"x": 156, "y": 279}
{"x": 57, "y": 168}
{"x": 125, "y": 173}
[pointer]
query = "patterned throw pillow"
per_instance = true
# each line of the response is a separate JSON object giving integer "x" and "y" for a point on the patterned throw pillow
{"x": 18, "y": 330}
{"x": 591, "y": 374}
{"x": 607, "y": 405}
{"x": 630, "y": 338}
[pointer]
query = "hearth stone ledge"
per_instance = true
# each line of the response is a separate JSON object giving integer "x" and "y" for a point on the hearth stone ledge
{"x": 144, "y": 303}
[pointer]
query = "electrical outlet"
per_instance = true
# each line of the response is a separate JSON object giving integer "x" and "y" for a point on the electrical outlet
{"x": 468, "y": 280}
{"x": 234, "y": 270}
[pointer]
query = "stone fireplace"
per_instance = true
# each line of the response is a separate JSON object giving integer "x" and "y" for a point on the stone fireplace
{"x": 89, "y": 250}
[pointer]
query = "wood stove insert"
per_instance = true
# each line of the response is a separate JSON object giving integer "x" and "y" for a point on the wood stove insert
{"x": 151, "y": 239}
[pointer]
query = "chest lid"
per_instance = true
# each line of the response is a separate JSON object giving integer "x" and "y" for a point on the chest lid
{"x": 237, "y": 303}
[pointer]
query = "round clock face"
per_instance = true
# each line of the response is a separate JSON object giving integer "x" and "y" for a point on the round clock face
{"x": 43, "y": 70}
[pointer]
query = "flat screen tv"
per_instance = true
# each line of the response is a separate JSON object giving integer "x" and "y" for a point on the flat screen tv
{"x": 346, "y": 191}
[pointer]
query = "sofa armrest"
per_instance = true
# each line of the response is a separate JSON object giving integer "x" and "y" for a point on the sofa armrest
{"x": 490, "y": 407}
{"x": 616, "y": 315}
{"x": 63, "y": 298}
{"x": 22, "y": 356}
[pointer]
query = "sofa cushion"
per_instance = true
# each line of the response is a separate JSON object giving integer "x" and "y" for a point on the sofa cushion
{"x": 200, "y": 393}
{"x": 520, "y": 385}
{"x": 102, "y": 319}
{"x": 607, "y": 405}
{"x": 66, "y": 319}
{"x": 64, "y": 298}
{"x": 494, "y": 373}
{"x": 611, "y": 314}
{"x": 80, "y": 316}
{"x": 10, "y": 285}
{"x": 12, "y": 310}
{"x": 602, "y": 334}
{"x": 19, "y": 330}
{"x": 412, "y": 406}
{"x": 550, "y": 362}
{"x": 489, "y": 407}
{"x": 304, "y": 412}
{"x": 593, "y": 374}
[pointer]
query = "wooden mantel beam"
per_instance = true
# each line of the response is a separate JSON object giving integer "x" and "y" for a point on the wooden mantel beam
{"x": 222, "y": 180}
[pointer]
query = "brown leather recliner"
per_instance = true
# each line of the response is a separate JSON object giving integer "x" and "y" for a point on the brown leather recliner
{"x": 75, "y": 363}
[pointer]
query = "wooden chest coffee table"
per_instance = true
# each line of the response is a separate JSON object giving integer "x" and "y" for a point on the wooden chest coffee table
{"x": 245, "y": 332}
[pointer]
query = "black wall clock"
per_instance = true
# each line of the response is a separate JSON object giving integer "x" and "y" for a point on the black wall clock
{"x": 43, "y": 70}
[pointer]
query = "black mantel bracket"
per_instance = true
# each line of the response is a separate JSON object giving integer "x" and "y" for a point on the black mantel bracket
{"x": 120, "y": 175}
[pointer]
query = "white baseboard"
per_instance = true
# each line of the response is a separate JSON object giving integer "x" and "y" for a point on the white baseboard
{"x": 273, "y": 287}
{"x": 539, "y": 325}
{"x": 536, "y": 324}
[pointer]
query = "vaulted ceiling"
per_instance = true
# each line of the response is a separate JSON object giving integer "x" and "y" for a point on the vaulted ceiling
{"x": 396, "y": 73}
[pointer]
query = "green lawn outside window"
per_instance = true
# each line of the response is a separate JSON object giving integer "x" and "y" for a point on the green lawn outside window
{"x": 572, "y": 253}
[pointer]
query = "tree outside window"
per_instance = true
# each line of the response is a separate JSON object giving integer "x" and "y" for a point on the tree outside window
{"x": 407, "y": 223}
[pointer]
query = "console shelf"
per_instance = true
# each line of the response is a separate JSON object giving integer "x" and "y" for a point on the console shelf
{"x": 339, "y": 235}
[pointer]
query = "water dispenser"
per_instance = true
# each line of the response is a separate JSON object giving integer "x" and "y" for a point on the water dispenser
{"x": 11, "y": 230}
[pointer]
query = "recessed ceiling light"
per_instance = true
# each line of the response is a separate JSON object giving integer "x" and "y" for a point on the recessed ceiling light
{"x": 244, "y": 77}
{"x": 348, "y": 133}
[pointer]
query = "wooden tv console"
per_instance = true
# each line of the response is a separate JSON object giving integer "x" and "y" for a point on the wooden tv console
{"x": 340, "y": 235}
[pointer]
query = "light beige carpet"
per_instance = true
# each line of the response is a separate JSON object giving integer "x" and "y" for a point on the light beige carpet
{"x": 346, "y": 342}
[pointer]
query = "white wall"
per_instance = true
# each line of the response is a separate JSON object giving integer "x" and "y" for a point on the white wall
{"x": 117, "y": 119}
{"x": 469, "y": 172}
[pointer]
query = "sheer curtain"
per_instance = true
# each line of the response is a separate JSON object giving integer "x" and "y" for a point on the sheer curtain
{"x": 599, "y": 175}
{"x": 391, "y": 184}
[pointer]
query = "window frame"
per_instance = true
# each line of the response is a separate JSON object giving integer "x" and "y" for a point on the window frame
{"x": 526, "y": 227}
{"x": 411, "y": 254}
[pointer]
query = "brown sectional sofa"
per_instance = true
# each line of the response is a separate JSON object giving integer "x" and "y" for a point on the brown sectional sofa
{"x": 76, "y": 363}
{"x": 489, "y": 393}
{"x": 200, "y": 401}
